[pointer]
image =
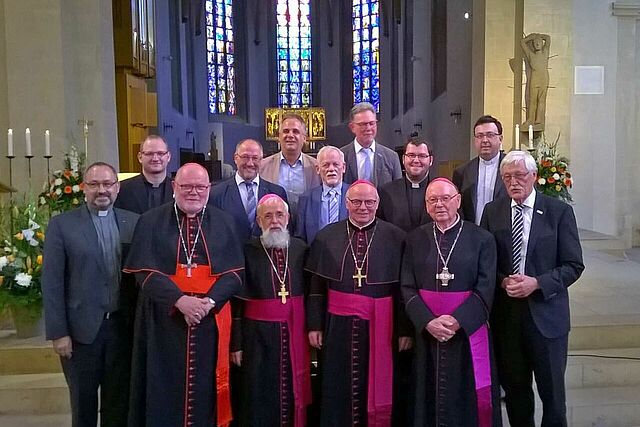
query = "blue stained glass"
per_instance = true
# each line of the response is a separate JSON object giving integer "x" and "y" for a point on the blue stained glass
{"x": 220, "y": 60}
{"x": 294, "y": 51}
{"x": 365, "y": 54}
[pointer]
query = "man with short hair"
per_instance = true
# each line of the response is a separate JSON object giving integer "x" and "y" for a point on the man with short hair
{"x": 539, "y": 257}
{"x": 350, "y": 311}
{"x": 324, "y": 204}
{"x": 238, "y": 195}
{"x": 448, "y": 271}
{"x": 188, "y": 261}
{"x": 479, "y": 179}
{"x": 88, "y": 303}
{"x": 402, "y": 200}
{"x": 274, "y": 352}
{"x": 152, "y": 187}
{"x": 365, "y": 157}
{"x": 292, "y": 169}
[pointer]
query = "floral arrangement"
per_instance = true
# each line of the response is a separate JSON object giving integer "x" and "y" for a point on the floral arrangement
{"x": 21, "y": 256}
{"x": 65, "y": 191}
{"x": 554, "y": 178}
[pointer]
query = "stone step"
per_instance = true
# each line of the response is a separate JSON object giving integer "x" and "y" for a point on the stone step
{"x": 602, "y": 332}
{"x": 603, "y": 368}
{"x": 34, "y": 394}
{"x": 34, "y": 359}
{"x": 57, "y": 420}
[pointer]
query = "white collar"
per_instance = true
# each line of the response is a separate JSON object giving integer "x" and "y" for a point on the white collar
{"x": 529, "y": 202}
{"x": 240, "y": 180}
{"x": 451, "y": 226}
{"x": 490, "y": 161}
{"x": 359, "y": 147}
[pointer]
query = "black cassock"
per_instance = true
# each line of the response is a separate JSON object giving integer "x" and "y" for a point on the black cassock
{"x": 345, "y": 352}
{"x": 267, "y": 397}
{"x": 163, "y": 393}
{"x": 445, "y": 382}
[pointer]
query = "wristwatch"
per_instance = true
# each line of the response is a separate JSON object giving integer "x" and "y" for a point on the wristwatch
{"x": 212, "y": 302}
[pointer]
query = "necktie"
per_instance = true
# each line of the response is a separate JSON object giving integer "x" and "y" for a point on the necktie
{"x": 516, "y": 238}
{"x": 251, "y": 202}
{"x": 366, "y": 166}
{"x": 333, "y": 206}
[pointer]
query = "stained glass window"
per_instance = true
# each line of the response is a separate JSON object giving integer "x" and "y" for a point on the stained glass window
{"x": 221, "y": 57}
{"x": 366, "y": 51}
{"x": 293, "y": 46}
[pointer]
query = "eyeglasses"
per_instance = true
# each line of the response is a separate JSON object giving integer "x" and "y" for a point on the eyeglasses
{"x": 154, "y": 153}
{"x": 246, "y": 158}
{"x": 188, "y": 188}
{"x": 96, "y": 185}
{"x": 370, "y": 203}
{"x": 365, "y": 124}
{"x": 413, "y": 156}
{"x": 518, "y": 176}
{"x": 442, "y": 199}
{"x": 488, "y": 135}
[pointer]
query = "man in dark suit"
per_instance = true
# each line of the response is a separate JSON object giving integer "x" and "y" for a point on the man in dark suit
{"x": 152, "y": 187}
{"x": 479, "y": 179}
{"x": 239, "y": 195}
{"x": 88, "y": 303}
{"x": 365, "y": 157}
{"x": 539, "y": 257}
{"x": 324, "y": 204}
{"x": 402, "y": 200}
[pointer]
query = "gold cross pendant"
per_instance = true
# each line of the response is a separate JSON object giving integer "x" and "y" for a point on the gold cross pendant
{"x": 359, "y": 276}
{"x": 283, "y": 293}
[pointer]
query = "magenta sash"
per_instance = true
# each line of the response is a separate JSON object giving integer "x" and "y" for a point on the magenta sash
{"x": 272, "y": 310}
{"x": 446, "y": 303}
{"x": 379, "y": 313}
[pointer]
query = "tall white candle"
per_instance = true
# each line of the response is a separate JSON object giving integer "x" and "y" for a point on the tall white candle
{"x": 47, "y": 143}
{"x": 27, "y": 137}
{"x": 10, "y": 143}
{"x": 531, "y": 137}
{"x": 517, "y": 144}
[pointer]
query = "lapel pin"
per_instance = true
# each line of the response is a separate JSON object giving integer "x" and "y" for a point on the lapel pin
{"x": 539, "y": 212}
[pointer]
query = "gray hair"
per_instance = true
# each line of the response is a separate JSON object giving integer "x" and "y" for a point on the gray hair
{"x": 361, "y": 107}
{"x": 327, "y": 148}
{"x": 519, "y": 156}
{"x": 246, "y": 140}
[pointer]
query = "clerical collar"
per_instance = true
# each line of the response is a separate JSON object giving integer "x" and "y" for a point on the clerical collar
{"x": 100, "y": 213}
{"x": 418, "y": 184}
{"x": 357, "y": 146}
{"x": 490, "y": 161}
{"x": 146, "y": 181}
{"x": 456, "y": 222}
{"x": 364, "y": 227}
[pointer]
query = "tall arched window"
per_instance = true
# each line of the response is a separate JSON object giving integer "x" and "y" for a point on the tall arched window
{"x": 221, "y": 57}
{"x": 366, "y": 51}
{"x": 293, "y": 53}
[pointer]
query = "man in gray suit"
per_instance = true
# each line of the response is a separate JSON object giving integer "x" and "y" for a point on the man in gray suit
{"x": 88, "y": 304}
{"x": 365, "y": 158}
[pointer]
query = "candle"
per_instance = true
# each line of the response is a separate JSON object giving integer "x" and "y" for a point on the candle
{"x": 10, "y": 143}
{"x": 27, "y": 137}
{"x": 517, "y": 144}
{"x": 530, "y": 137}
{"x": 47, "y": 143}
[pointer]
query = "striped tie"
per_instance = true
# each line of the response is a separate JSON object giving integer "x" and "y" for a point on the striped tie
{"x": 516, "y": 238}
{"x": 251, "y": 202}
{"x": 366, "y": 167}
{"x": 333, "y": 206}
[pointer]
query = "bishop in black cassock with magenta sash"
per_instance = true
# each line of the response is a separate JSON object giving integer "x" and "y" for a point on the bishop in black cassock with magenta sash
{"x": 448, "y": 283}
{"x": 183, "y": 252}
{"x": 352, "y": 310}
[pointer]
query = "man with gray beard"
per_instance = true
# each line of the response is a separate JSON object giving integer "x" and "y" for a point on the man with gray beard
{"x": 270, "y": 339}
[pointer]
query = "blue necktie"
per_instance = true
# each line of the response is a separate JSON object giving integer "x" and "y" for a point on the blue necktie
{"x": 516, "y": 238}
{"x": 251, "y": 202}
{"x": 366, "y": 167}
{"x": 333, "y": 206}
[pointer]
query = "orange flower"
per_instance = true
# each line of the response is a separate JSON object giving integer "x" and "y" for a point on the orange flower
{"x": 19, "y": 236}
{"x": 550, "y": 180}
{"x": 40, "y": 235}
{"x": 81, "y": 185}
{"x": 567, "y": 182}
{"x": 67, "y": 173}
{"x": 39, "y": 259}
{"x": 68, "y": 189}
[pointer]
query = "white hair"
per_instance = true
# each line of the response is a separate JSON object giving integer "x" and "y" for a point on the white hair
{"x": 514, "y": 157}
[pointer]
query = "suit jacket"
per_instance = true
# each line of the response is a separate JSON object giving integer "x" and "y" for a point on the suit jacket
{"x": 74, "y": 276}
{"x": 465, "y": 177}
{"x": 554, "y": 258}
{"x": 133, "y": 194}
{"x": 386, "y": 165}
{"x": 270, "y": 170}
{"x": 394, "y": 204}
{"x": 226, "y": 196}
{"x": 310, "y": 209}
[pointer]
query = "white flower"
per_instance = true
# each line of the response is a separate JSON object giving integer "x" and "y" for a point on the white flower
{"x": 58, "y": 181}
{"x": 33, "y": 225}
{"x": 75, "y": 188}
{"x": 27, "y": 234}
{"x": 58, "y": 191}
{"x": 23, "y": 279}
{"x": 542, "y": 181}
{"x": 556, "y": 176}
{"x": 3, "y": 261}
{"x": 42, "y": 200}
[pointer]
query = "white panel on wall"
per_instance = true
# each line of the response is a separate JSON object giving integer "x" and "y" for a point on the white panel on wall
{"x": 589, "y": 80}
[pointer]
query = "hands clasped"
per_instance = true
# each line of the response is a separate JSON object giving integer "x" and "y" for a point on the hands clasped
{"x": 443, "y": 328}
{"x": 194, "y": 309}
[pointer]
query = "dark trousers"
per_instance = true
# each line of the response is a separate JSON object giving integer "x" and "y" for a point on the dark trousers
{"x": 522, "y": 352}
{"x": 103, "y": 364}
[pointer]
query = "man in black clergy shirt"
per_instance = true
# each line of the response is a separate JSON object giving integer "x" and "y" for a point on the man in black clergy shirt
{"x": 448, "y": 271}
{"x": 274, "y": 352}
{"x": 188, "y": 261}
{"x": 152, "y": 187}
{"x": 350, "y": 311}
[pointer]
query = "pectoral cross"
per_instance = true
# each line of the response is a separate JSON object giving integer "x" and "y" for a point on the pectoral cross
{"x": 283, "y": 293}
{"x": 359, "y": 276}
{"x": 189, "y": 266}
{"x": 445, "y": 276}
